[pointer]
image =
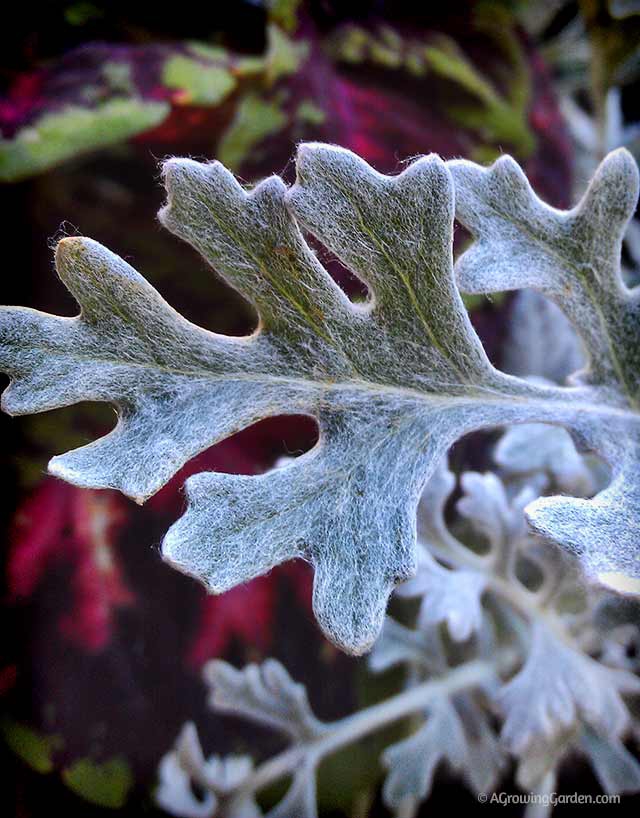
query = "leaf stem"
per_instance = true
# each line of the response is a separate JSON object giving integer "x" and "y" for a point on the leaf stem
{"x": 352, "y": 728}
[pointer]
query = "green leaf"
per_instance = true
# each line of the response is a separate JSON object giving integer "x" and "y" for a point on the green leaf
{"x": 73, "y": 130}
{"x": 254, "y": 120}
{"x": 34, "y": 748}
{"x": 106, "y": 784}
{"x": 284, "y": 55}
{"x": 202, "y": 84}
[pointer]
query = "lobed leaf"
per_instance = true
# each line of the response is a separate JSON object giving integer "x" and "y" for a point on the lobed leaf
{"x": 411, "y": 763}
{"x": 558, "y": 686}
{"x": 392, "y": 383}
{"x": 219, "y": 778}
{"x": 264, "y": 693}
{"x": 615, "y": 767}
{"x": 572, "y": 257}
{"x": 448, "y": 596}
{"x": 398, "y": 644}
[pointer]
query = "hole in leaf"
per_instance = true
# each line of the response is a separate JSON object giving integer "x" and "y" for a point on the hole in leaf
{"x": 528, "y": 453}
{"x": 473, "y": 452}
{"x": 631, "y": 650}
{"x": 630, "y": 268}
{"x": 354, "y": 288}
{"x": 198, "y": 791}
{"x": 539, "y": 341}
{"x": 88, "y": 196}
{"x": 252, "y": 451}
{"x": 469, "y": 535}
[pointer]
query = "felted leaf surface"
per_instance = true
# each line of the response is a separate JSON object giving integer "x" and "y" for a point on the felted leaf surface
{"x": 573, "y": 257}
{"x": 615, "y": 767}
{"x": 398, "y": 644}
{"x": 392, "y": 383}
{"x": 448, "y": 596}
{"x": 264, "y": 693}
{"x": 558, "y": 685}
{"x": 412, "y": 762}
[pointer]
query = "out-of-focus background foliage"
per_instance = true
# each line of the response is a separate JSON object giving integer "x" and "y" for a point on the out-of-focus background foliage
{"x": 102, "y": 643}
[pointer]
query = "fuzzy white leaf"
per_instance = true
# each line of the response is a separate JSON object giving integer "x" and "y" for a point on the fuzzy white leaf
{"x": 542, "y": 757}
{"x": 392, "y": 383}
{"x": 448, "y": 596}
{"x": 265, "y": 693}
{"x": 174, "y": 793}
{"x": 616, "y": 768}
{"x": 572, "y": 257}
{"x": 539, "y": 447}
{"x": 222, "y": 775}
{"x": 541, "y": 343}
{"x": 494, "y": 515}
{"x": 398, "y": 645}
{"x": 485, "y": 759}
{"x": 411, "y": 763}
{"x": 558, "y": 685}
{"x": 220, "y": 779}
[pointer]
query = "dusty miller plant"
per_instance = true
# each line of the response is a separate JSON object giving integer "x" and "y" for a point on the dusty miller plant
{"x": 392, "y": 383}
{"x": 510, "y": 658}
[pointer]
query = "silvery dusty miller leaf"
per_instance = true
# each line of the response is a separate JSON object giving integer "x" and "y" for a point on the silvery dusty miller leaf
{"x": 448, "y": 596}
{"x": 572, "y": 258}
{"x": 265, "y": 693}
{"x": 392, "y": 382}
{"x": 218, "y": 778}
{"x": 558, "y": 685}
{"x": 412, "y": 762}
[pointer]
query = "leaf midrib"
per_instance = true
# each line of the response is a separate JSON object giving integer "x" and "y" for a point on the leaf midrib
{"x": 482, "y": 394}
